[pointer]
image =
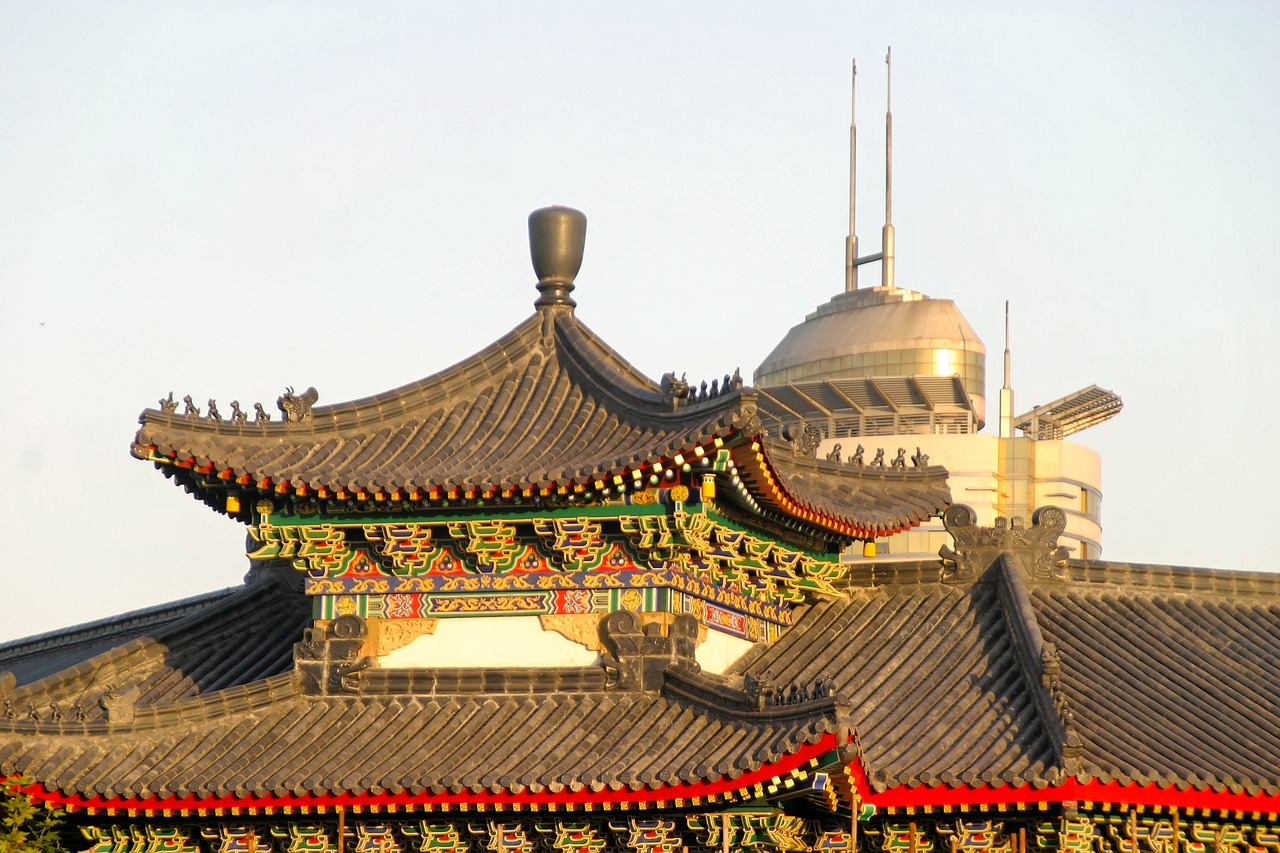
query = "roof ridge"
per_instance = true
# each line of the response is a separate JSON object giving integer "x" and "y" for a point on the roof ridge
{"x": 205, "y": 708}
{"x": 1184, "y": 580}
{"x": 463, "y": 375}
{"x": 757, "y": 700}
{"x": 1039, "y": 662}
{"x": 586, "y": 355}
{"x": 122, "y": 622}
{"x": 80, "y": 677}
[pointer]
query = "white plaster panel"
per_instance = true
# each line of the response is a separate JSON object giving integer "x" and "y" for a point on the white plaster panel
{"x": 720, "y": 650}
{"x": 499, "y": 641}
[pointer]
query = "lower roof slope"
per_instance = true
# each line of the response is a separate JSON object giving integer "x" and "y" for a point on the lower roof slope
{"x": 32, "y": 658}
{"x": 932, "y": 681}
{"x": 479, "y": 744}
{"x": 1022, "y": 675}
{"x": 1171, "y": 686}
{"x": 1025, "y": 675}
{"x": 169, "y": 653}
{"x": 210, "y": 706}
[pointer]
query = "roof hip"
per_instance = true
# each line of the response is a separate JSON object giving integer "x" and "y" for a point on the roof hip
{"x": 1041, "y": 667}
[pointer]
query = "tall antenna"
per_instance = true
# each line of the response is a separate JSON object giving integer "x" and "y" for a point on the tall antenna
{"x": 1006, "y": 344}
{"x": 885, "y": 255}
{"x": 886, "y": 240}
{"x": 1006, "y": 393}
{"x": 851, "y": 242}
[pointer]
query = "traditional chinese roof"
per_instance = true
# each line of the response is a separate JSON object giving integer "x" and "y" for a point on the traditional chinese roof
{"x": 548, "y": 412}
{"x": 160, "y": 655}
{"x": 1003, "y": 673}
{"x": 419, "y": 748}
{"x": 213, "y": 719}
{"x": 931, "y": 675}
{"x": 1170, "y": 677}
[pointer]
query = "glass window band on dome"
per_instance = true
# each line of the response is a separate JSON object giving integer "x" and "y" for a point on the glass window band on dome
{"x": 928, "y": 361}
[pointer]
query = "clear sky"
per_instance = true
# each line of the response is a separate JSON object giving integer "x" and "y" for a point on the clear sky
{"x": 222, "y": 199}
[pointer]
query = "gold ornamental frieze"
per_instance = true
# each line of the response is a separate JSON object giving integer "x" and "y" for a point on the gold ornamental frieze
{"x": 767, "y": 830}
{"x": 694, "y": 553}
{"x": 491, "y": 545}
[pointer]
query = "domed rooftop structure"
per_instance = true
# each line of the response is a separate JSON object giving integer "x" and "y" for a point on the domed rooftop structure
{"x": 877, "y": 361}
{"x": 894, "y": 360}
{"x": 879, "y": 368}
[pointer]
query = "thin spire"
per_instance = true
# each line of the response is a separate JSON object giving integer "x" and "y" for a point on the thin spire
{"x": 1006, "y": 345}
{"x": 888, "y": 140}
{"x": 851, "y": 242}
{"x": 1006, "y": 393}
{"x": 885, "y": 255}
{"x": 887, "y": 235}
{"x": 853, "y": 151}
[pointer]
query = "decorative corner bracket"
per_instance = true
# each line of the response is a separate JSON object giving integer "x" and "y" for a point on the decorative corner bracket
{"x": 804, "y": 439}
{"x": 296, "y": 408}
{"x": 1035, "y": 548}
{"x": 746, "y": 417}
{"x": 638, "y": 656}
{"x": 328, "y": 659}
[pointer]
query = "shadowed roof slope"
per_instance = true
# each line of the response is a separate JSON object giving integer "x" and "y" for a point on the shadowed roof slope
{"x": 930, "y": 674}
{"x": 1143, "y": 674}
{"x": 1174, "y": 681}
{"x": 32, "y": 658}
{"x": 178, "y": 651}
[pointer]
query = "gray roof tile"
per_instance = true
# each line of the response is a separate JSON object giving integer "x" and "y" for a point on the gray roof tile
{"x": 1169, "y": 679}
{"x": 524, "y": 412}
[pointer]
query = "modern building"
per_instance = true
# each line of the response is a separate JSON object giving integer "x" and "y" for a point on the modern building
{"x": 890, "y": 376}
{"x": 885, "y": 376}
{"x": 540, "y": 602}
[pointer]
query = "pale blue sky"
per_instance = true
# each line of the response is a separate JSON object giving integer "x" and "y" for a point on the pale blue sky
{"x": 223, "y": 199}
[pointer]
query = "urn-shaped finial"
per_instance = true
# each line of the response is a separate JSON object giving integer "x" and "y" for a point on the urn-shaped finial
{"x": 557, "y": 236}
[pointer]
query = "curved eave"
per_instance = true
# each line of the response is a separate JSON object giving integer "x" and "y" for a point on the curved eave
{"x": 768, "y": 484}
{"x": 1042, "y": 789}
{"x": 549, "y": 406}
{"x": 548, "y": 412}
{"x": 749, "y": 785}
{"x": 1072, "y": 790}
{"x": 633, "y": 476}
{"x": 761, "y": 488}
{"x": 630, "y": 475}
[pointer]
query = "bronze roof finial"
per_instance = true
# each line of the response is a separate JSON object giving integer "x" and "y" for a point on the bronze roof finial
{"x": 557, "y": 236}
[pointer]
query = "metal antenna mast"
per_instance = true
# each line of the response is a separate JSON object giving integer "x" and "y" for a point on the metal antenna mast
{"x": 885, "y": 255}
{"x": 851, "y": 242}
{"x": 1006, "y": 392}
{"x": 1006, "y": 344}
{"x": 886, "y": 241}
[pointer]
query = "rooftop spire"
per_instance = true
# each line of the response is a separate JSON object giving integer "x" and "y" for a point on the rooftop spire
{"x": 886, "y": 247}
{"x": 1006, "y": 392}
{"x": 885, "y": 255}
{"x": 851, "y": 242}
{"x": 1006, "y": 344}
